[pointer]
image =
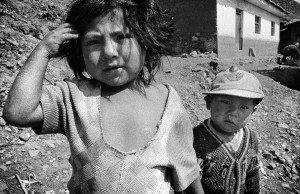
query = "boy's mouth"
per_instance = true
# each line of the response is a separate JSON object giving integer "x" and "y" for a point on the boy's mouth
{"x": 230, "y": 122}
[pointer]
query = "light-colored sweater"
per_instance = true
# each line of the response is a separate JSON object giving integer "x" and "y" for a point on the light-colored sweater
{"x": 167, "y": 162}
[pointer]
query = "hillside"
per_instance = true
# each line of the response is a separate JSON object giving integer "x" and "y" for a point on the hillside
{"x": 40, "y": 163}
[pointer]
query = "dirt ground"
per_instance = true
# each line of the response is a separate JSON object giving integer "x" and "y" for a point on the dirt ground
{"x": 40, "y": 163}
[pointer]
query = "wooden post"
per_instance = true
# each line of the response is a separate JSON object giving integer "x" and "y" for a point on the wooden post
{"x": 252, "y": 52}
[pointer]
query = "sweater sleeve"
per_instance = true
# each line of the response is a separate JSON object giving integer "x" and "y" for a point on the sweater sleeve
{"x": 252, "y": 182}
{"x": 53, "y": 102}
{"x": 184, "y": 168}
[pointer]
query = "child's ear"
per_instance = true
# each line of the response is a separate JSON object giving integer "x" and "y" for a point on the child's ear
{"x": 208, "y": 100}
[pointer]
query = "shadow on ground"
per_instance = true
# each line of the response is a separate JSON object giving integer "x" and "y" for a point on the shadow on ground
{"x": 288, "y": 76}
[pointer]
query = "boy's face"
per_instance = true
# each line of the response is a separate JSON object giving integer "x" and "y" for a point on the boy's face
{"x": 230, "y": 113}
{"x": 111, "y": 53}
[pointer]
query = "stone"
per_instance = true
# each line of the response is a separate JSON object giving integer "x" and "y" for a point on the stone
{"x": 286, "y": 169}
{"x": 283, "y": 125}
{"x": 210, "y": 44}
{"x": 2, "y": 122}
{"x": 197, "y": 69}
{"x": 33, "y": 153}
{"x": 2, "y": 167}
{"x": 294, "y": 170}
{"x": 280, "y": 160}
{"x": 184, "y": 55}
{"x": 285, "y": 185}
{"x": 8, "y": 64}
{"x": 177, "y": 50}
{"x": 195, "y": 38}
{"x": 295, "y": 177}
{"x": 194, "y": 54}
{"x": 274, "y": 152}
{"x": 202, "y": 55}
{"x": 50, "y": 192}
{"x": 261, "y": 167}
{"x": 292, "y": 133}
{"x": 3, "y": 186}
{"x": 203, "y": 39}
{"x": 19, "y": 63}
{"x": 213, "y": 64}
{"x": 24, "y": 136}
{"x": 51, "y": 145}
{"x": 289, "y": 160}
{"x": 267, "y": 155}
{"x": 272, "y": 165}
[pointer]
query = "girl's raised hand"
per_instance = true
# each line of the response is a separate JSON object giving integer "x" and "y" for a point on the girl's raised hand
{"x": 51, "y": 43}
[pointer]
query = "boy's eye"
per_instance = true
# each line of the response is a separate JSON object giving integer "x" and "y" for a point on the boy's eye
{"x": 244, "y": 107}
{"x": 225, "y": 101}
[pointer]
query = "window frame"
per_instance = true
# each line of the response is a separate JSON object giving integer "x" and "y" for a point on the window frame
{"x": 257, "y": 25}
{"x": 272, "y": 28}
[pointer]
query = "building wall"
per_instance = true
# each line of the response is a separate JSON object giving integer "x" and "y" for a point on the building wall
{"x": 263, "y": 43}
{"x": 195, "y": 22}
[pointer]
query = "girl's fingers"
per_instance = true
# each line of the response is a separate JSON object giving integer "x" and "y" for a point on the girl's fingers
{"x": 66, "y": 37}
{"x": 65, "y": 30}
{"x": 65, "y": 34}
{"x": 65, "y": 25}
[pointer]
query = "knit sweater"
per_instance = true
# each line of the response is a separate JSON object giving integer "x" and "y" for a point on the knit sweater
{"x": 168, "y": 161}
{"x": 223, "y": 171}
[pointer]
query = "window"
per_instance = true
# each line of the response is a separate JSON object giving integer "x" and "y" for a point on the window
{"x": 238, "y": 12}
{"x": 257, "y": 25}
{"x": 272, "y": 28}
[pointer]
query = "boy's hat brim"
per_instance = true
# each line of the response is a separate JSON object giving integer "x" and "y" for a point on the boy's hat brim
{"x": 236, "y": 92}
{"x": 236, "y": 82}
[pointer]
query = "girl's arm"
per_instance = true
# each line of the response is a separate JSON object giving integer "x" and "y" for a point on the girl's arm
{"x": 22, "y": 107}
{"x": 195, "y": 187}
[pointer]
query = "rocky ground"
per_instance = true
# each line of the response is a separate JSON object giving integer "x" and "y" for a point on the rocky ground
{"x": 39, "y": 164}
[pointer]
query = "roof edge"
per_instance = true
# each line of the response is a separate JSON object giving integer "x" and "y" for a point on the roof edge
{"x": 278, "y": 7}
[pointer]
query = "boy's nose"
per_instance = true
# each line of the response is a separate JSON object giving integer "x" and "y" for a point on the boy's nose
{"x": 233, "y": 110}
{"x": 109, "y": 50}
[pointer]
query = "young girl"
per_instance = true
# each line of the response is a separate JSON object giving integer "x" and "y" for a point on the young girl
{"x": 126, "y": 133}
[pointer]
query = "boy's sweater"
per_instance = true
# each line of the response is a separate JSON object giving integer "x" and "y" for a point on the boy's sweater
{"x": 223, "y": 171}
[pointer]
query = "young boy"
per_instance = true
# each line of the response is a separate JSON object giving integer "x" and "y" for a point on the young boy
{"x": 226, "y": 149}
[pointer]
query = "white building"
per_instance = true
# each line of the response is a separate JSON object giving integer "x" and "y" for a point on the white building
{"x": 228, "y": 27}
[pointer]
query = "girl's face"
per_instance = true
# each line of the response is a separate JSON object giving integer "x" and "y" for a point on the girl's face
{"x": 111, "y": 53}
{"x": 230, "y": 113}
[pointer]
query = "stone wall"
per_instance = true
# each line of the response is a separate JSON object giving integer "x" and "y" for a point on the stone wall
{"x": 195, "y": 22}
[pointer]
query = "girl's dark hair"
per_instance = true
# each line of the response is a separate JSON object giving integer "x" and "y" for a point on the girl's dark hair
{"x": 151, "y": 26}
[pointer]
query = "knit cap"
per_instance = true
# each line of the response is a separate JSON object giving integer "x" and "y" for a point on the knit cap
{"x": 236, "y": 82}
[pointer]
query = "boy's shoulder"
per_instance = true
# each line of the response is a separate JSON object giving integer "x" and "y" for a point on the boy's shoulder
{"x": 253, "y": 138}
{"x": 201, "y": 126}
{"x": 201, "y": 132}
